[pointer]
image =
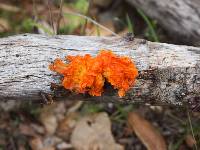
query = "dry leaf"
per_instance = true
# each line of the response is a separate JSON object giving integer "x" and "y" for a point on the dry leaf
{"x": 75, "y": 107}
{"x": 190, "y": 141}
{"x": 59, "y": 110}
{"x": 36, "y": 143}
{"x": 4, "y": 25}
{"x": 3, "y": 141}
{"x": 9, "y": 105}
{"x": 67, "y": 125}
{"x": 51, "y": 115}
{"x": 10, "y": 8}
{"x": 49, "y": 120}
{"x": 44, "y": 143}
{"x": 27, "y": 130}
{"x": 37, "y": 128}
{"x": 123, "y": 32}
{"x": 21, "y": 147}
{"x": 47, "y": 143}
{"x": 147, "y": 133}
{"x": 64, "y": 146}
{"x": 93, "y": 31}
{"x": 51, "y": 141}
{"x": 94, "y": 133}
{"x": 102, "y": 3}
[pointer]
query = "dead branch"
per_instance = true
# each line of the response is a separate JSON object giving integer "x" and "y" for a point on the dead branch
{"x": 168, "y": 73}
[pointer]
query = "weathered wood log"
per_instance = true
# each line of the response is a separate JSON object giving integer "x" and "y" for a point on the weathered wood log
{"x": 168, "y": 73}
{"x": 181, "y": 18}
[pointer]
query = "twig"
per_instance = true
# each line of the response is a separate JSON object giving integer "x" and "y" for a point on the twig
{"x": 91, "y": 20}
{"x": 51, "y": 19}
{"x": 34, "y": 10}
{"x": 191, "y": 128}
{"x": 60, "y": 16}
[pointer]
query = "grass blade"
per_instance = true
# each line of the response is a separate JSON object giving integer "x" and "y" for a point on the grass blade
{"x": 149, "y": 24}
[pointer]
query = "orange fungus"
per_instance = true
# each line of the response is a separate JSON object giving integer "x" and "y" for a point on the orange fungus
{"x": 88, "y": 74}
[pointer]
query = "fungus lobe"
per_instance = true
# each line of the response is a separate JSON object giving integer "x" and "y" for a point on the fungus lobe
{"x": 88, "y": 74}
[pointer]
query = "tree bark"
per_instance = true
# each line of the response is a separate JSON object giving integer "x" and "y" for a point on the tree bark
{"x": 181, "y": 18}
{"x": 168, "y": 73}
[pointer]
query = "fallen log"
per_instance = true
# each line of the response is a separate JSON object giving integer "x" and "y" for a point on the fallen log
{"x": 168, "y": 74}
{"x": 181, "y": 18}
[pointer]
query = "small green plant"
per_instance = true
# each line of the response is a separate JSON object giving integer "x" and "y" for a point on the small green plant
{"x": 121, "y": 112}
{"x": 91, "y": 108}
{"x": 189, "y": 128}
{"x": 151, "y": 30}
{"x": 81, "y": 5}
{"x": 176, "y": 146}
{"x": 129, "y": 24}
{"x": 74, "y": 21}
{"x": 83, "y": 27}
{"x": 28, "y": 25}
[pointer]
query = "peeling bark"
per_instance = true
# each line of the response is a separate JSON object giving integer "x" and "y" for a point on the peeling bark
{"x": 169, "y": 74}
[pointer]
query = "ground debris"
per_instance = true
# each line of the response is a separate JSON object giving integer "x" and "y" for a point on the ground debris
{"x": 146, "y": 132}
{"x": 97, "y": 129}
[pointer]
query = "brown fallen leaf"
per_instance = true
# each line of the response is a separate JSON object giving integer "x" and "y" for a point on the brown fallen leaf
{"x": 41, "y": 143}
{"x": 11, "y": 8}
{"x": 27, "y": 130}
{"x": 146, "y": 132}
{"x": 95, "y": 30}
{"x": 102, "y": 3}
{"x": 21, "y": 147}
{"x": 2, "y": 141}
{"x": 64, "y": 146}
{"x": 4, "y": 25}
{"x": 49, "y": 120}
{"x": 37, "y": 128}
{"x": 50, "y": 116}
{"x": 66, "y": 125}
{"x": 94, "y": 133}
{"x": 75, "y": 107}
{"x": 36, "y": 143}
{"x": 190, "y": 141}
{"x": 123, "y": 32}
